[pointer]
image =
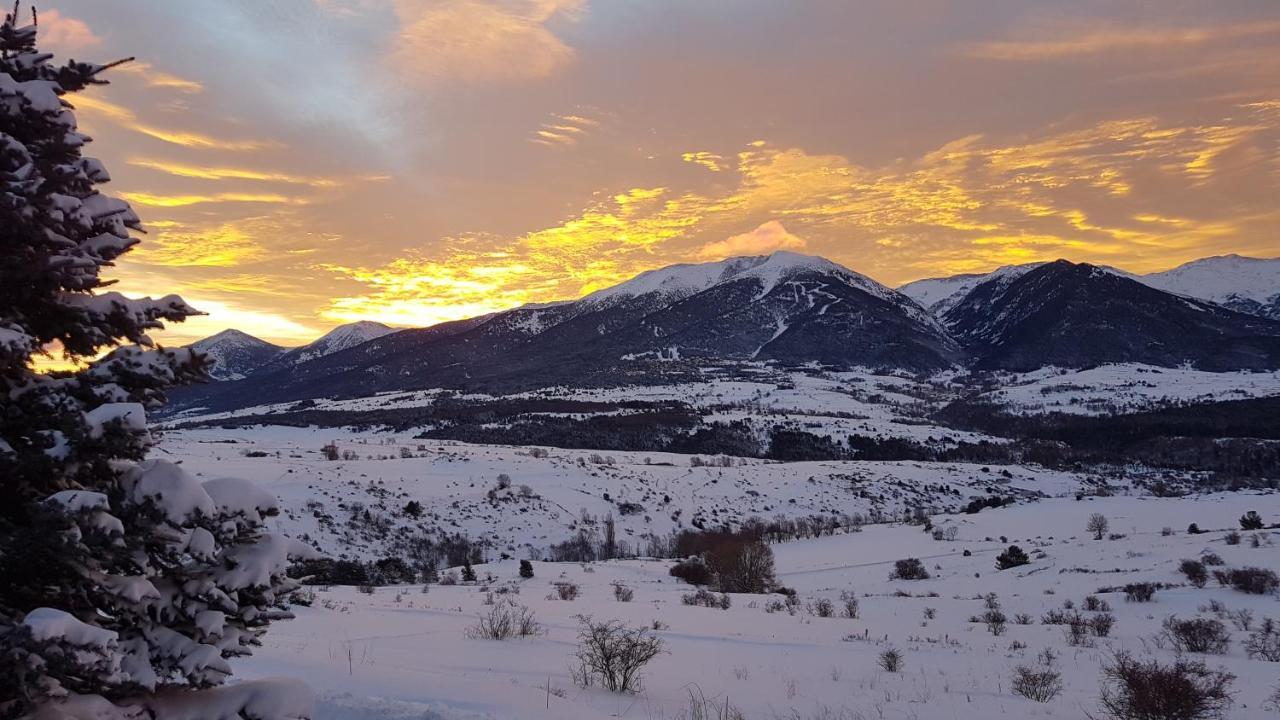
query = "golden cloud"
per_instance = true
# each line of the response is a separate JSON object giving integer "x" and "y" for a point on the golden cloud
{"x": 481, "y": 40}
{"x": 227, "y": 173}
{"x": 159, "y": 79}
{"x": 1113, "y": 192}
{"x": 170, "y": 201}
{"x": 710, "y": 161}
{"x": 96, "y": 107}
{"x": 1098, "y": 40}
{"x": 181, "y": 245}
{"x": 765, "y": 239}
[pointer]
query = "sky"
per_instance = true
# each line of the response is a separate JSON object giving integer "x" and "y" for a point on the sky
{"x": 304, "y": 163}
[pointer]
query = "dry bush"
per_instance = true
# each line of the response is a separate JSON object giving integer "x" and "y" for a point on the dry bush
{"x": 850, "y": 601}
{"x": 705, "y": 598}
{"x": 1140, "y": 592}
{"x": 622, "y": 593}
{"x": 890, "y": 661}
{"x": 1195, "y": 572}
{"x": 566, "y": 591}
{"x": 1101, "y": 624}
{"x": 1146, "y": 690}
{"x": 1252, "y": 580}
{"x": 909, "y": 569}
{"x": 504, "y": 621}
{"x": 1264, "y": 643}
{"x": 613, "y": 653}
{"x": 1041, "y": 682}
{"x": 1197, "y": 635}
{"x": 703, "y": 708}
{"x": 1093, "y": 603}
{"x": 822, "y": 607}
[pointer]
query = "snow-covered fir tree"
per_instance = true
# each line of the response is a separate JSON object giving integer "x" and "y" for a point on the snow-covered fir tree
{"x": 126, "y": 584}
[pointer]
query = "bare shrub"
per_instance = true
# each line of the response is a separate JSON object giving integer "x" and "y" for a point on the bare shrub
{"x": 1146, "y": 690}
{"x": 1139, "y": 592}
{"x": 890, "y": 660}
{"x": 1101, "y": 624}
{"x": 909, "y": 569}
{"x": 614, "y": 653}
{"x": 1231, "y": 538}
{"x": 1211, "y": 559}
{"x": 1242, "y": 618}
{"x": 1078, "y": 632}
{"x": 701, "y": 707}
{"x": 504, "y": 621}
{"x": 1023, "y": 619}
{"x": 1197, "y": 635}
{"x": 1256, "y": 581}
{"x": 1264, "y": 643}
{"x": 995, "y": 621}
{"x": 622, "y": 593}
{"x": 566, "y": 591}
{"x": 1093, "y": 603}
{"x": 850, "y": 605}
{"x": 822, "y": 607}
{"x": 1195, "y": 572}
{"x": 706, "y": 598}
{"x": 1040, "y": 682}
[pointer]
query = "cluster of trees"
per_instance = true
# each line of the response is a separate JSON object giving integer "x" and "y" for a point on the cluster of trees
{"x": 738, "y": 561}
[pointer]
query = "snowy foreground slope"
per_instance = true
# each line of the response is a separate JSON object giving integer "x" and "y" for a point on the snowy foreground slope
{"x": 399, "y": 653}
{"x": 402, "y": 653}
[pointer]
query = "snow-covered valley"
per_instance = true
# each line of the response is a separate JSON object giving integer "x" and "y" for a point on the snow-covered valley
{"x": 400, "y": 651}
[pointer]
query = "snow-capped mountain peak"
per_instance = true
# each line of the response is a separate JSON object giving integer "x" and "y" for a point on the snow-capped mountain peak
{"x": 235, "y": 354}
{"x": 341, "y": 338}
{"x": 676, "y": 282}
{"x": 1245, "y": 284}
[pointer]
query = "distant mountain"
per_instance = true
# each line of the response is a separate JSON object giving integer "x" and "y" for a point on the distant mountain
{"x": 338, "y": 339}
{"x": 1080, "y": 315}
{"x": 938, "y": 295}
{"x": 783, "y": 307}
{"x": 236, "y": 354}
{"x": 1244, "y": 284}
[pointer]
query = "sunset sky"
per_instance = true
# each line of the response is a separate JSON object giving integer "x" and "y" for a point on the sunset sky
{"x": 303, "y": 163}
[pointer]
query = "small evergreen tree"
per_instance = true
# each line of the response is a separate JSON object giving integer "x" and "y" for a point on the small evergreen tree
{"x": 526, "y": 569}
{"x": 1251, "y": 521}
{"x": 119, "y": 577}
{"x": 1013, "y": 557}
{"x": 468, "y": 572}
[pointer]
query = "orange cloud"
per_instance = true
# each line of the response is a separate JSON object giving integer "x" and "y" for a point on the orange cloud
{"x": 94, "y": 106}
{"x": 763, "y": 240}
{"x": 710, "y": 161}
{"x": 159, "y": 79}
{"x": 481, "y": 40}
{"x": 65, "y": 34}
{"x": 226, "y": 173}
{"x": 156, "y": 200}
{"x": 1094, "y": 41}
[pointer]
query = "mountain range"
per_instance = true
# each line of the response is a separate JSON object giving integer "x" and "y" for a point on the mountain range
{"x": 1214, "y": 314}
{"x": 237, "y": 355}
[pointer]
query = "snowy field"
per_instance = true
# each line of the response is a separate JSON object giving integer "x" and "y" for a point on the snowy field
{"x": 1126, "y": 388}
{"x": 400, "y": 653}
{"x": 648, "y": 493}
